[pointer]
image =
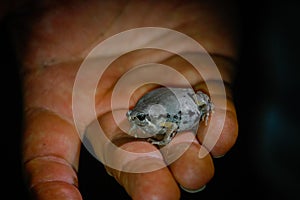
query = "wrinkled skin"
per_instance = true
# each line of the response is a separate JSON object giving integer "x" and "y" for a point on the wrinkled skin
{"x": 52, "y": 39}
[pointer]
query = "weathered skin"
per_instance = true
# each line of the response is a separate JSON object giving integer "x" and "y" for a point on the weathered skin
{"x": 166, "y": 111}
{"x": 51, "y": 39}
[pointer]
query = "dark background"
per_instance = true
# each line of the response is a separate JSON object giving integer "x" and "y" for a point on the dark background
{"x": 264, "y": 163}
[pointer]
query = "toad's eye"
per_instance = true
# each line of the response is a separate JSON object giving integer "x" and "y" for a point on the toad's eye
{"x": 141, "y": 117}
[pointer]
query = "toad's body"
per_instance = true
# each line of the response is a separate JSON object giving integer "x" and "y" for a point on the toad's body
{"x": 163, "y": 112}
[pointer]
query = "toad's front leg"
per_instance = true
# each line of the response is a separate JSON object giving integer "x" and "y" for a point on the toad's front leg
{"x": 169, "y": 132}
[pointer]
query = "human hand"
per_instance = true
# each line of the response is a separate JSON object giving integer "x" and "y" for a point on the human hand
{"x": 51, "y": 55}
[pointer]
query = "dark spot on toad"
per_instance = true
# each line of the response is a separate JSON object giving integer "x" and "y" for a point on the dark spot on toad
{"x": 191, "y": 113}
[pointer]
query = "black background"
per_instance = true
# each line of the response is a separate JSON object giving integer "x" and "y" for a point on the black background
{"x": 264, "y": 163}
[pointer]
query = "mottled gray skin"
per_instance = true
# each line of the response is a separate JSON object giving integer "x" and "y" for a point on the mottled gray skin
{"x": 160, "y": 114}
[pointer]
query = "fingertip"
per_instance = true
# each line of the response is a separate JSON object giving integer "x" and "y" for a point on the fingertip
{"x": 225, "y": 139}
{"x": 146, "y": 176}
{"x": 191, "y": 171}
{"x": 153, "y": 185}
{"x": 228, "y": 136}
{"x": 55, "y": 190}
{"x": 158, "y": 184}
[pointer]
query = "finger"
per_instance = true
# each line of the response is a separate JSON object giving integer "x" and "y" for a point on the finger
{"x": 136, "y": 164}
{"x": 223, "y": 115}
{"x": 50, "y": 155}
{"x": 55, "y": 190}
{"x": 157, "y": 184}
{"x": 227, "y": 138}
{"x": 190, "y": 171}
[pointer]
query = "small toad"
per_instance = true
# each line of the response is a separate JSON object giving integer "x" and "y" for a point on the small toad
{"x": 162, "y": 113}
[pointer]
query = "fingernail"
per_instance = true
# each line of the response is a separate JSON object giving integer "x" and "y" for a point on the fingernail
{"x": 193, "y": 191}
{"x": 109, "y": 173}
{"x": 220, "y": 156}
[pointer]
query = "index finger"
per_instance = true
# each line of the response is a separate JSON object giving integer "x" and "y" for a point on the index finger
{"x": 136, "y": 164}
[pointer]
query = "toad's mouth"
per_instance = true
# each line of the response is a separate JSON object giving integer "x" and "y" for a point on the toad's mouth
{"x": 139, "y": 132}
{"x": 147, "y": 129}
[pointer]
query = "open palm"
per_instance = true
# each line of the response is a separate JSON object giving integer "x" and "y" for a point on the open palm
{"x": 57, "y": 38}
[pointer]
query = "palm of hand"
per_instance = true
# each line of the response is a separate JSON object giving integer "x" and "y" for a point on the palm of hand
{"x": 50, "y": 138}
